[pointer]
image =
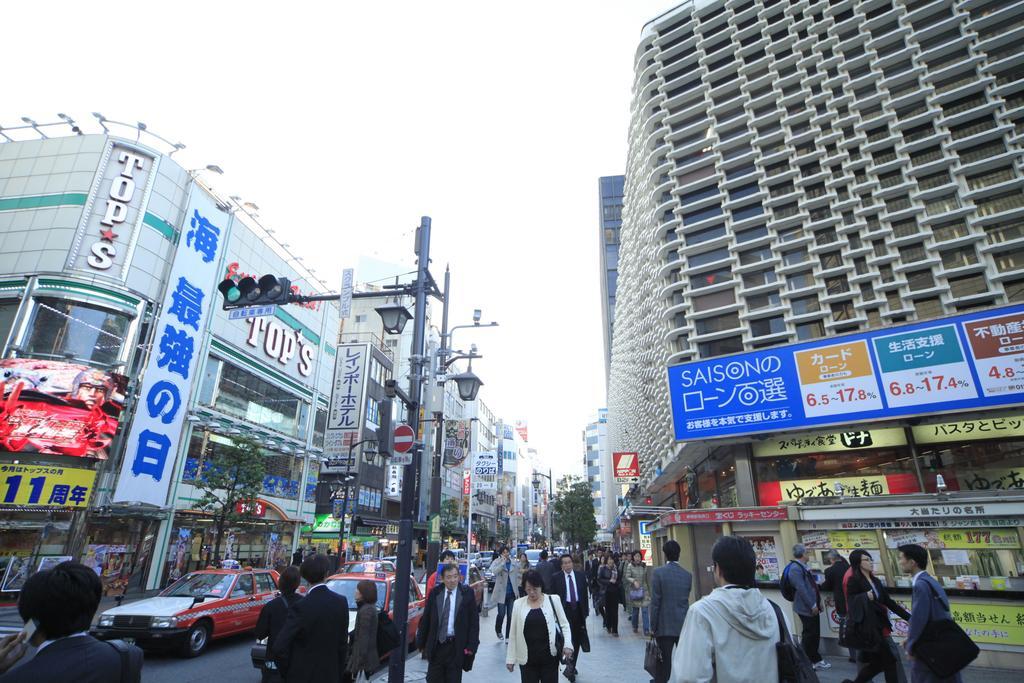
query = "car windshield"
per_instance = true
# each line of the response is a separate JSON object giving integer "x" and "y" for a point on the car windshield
{"x": 533, "y": 556}
{"x": 347, "y": 587}
{"x": 200, "y": 586}
{"x": 363, "y": 567}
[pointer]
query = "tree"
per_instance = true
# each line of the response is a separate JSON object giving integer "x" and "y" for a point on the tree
{"x": 451, "y": 517}
{"x": 574, "y": 511}
{"x": 502, "y": 532}
{"x": 230, "y": 475}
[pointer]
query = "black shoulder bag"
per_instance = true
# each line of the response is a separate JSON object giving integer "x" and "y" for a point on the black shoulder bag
{"x": 794, "y": 666}
{"x": 944, "y": 647}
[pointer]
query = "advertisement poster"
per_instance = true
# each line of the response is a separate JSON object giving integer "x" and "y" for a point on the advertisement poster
{"x": 179, "y": 554}
{"x": 16, "y": 574}
{"x": 46, "y": 486}
{"x": 767, "y": 567}
{"x": 51, "y": 561}
{"x": 59, "y": 408}
{"x": 275, "y": 550}
{"x": 110, "y": 564}
{"x": 456, "y": 442}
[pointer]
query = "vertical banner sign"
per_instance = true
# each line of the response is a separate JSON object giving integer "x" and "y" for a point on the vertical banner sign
{"x": 485, "y": 470}
{"x": 964, "y": 362}
{"x": 456, "y": 442}
{"x": 345, "y": 414}
{"x": 627, "y": 467}
{"x": 152, "y": 444}
{"x": 348, "y": 283}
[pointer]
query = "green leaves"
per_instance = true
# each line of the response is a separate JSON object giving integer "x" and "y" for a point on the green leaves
{"x": 574, "y": 510}
{"x": 451, "y": 517}
{"x": 230, "y": 475}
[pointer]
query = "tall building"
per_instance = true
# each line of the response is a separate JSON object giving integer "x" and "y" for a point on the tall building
{"x": 610, "y": 189}
{"x": 820, "y": 194}
{"x": 598, "y": 468}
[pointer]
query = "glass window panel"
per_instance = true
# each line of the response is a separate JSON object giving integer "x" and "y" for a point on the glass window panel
{"x": 76, "y": 331}
{"x": 244, "y": 395}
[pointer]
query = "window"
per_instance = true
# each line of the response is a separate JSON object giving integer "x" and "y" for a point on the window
{"x": 921, "y": 279}
{"x": 714, "y": 277}
{"x": 243, "y": 394}
{"x": 752, "y": 233}
{"x": 65, "y": 330}
{"x": 759, "y": 301}
{"x": 8, "y": 310}
{"x": 716, "y": 300}
{"x": 747, "y": 212}
{"x": 928, "y": 308}
{"x": 264, "y": 584}
{"x": 843, "y": 311}
{"x": 832, "y": 259}
{"x": 720, "y": 347}
{"x": 319, "y": 427}
{"x": 705, "y": 235}
{"x": 360, "y": 318}
{"x": 790, "y": 258}
{"x": 835, "y": 285}
{"x": 810, "y": 330}
{"x": 799, "y": 280}
{"x": 761, "y": 277}
{"x": 755, "y": 255}
{"x": 718, "y": 323}
{"x": 243, "y": 586}
{"x": 766, "y": 326}
{"x": 697, "y": 216}
{"x": 807, "y": 304}
{"x": 707, "y": 257}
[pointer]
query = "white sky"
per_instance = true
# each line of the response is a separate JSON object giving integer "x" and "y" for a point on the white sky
{"x": 345, "y": 122}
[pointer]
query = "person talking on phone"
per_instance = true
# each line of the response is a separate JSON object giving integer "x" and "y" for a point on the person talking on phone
{"x": 58, "y": 606}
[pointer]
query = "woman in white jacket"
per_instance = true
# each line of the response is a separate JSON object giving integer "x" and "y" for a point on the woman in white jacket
{"x": 536, "y": 621}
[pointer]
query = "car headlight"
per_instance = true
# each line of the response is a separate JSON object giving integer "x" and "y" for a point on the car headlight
{"x": 164, "y": 622}
{"x": 106, "y": 620}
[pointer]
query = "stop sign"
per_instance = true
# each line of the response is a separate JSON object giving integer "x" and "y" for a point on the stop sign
{"x": 404, "y": 437}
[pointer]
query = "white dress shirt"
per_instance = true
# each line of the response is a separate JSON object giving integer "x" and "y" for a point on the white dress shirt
{"x": 574, "y": 590}
{"x": 451, "y": 613}
{"x": 913, "y": 581}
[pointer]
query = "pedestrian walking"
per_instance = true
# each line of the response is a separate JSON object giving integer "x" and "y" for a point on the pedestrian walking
{"x": 930, "y": 604}
{"x": 593, "y": 564}
{"x": 449, "y": 630}
{"x": 611, "y": 589}
{"x": 807, "y": 605}
{"x": 670, "y": 599}
{"x": 506, "y": 578}
{"x": 61, "y": 603}
{"x": 297, "y": 557}
{"x": 636, "y": 582}
{"x": 730, "y": 635}
{"x": 546, "y": 570}
{"x": 273, "y": 617}
{"x": 837, "y": 568}
{"x": 868, "y": 605}
{"x": 447, "y": 557}
{"x": 571, "y": 588}
{"x": 537, "y": 621}
{"x": 313, "y": 643}
{"x": 332, "y": 562}
{"x": 364, "y": 658}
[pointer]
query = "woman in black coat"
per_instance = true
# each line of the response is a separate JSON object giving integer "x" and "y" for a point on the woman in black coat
{"x": 866, "y": 595}
{"x": 610, "y": 581}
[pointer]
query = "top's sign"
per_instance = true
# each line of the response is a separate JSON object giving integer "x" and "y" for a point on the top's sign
{"x": 969, "y": 361}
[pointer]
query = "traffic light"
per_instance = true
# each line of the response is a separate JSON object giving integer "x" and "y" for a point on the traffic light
{"x": 385, "y": 432}
{"x": 249, "y": 291}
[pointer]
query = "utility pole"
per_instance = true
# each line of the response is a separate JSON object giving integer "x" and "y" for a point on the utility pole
{"x": 434, "y": 508}
{"x": 410, "y": 478}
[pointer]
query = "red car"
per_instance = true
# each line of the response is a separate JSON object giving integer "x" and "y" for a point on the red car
{"x": 345, "y": 584}
{"x": 198, "y": 607}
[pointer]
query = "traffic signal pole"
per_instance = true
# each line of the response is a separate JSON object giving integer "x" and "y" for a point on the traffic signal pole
{"x": 410, "y": 477}
{"x": 434, "y": 546}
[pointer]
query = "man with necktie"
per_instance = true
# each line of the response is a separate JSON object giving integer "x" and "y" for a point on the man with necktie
{"x": 449, "y": 631}
{"x": 571, "y": 587}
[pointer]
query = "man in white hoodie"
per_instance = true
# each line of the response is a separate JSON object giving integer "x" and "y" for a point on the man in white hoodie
{"x": 730, "y": 635}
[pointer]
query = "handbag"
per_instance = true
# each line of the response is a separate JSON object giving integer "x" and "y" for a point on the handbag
{"x": 636, "y": 594}
{"x": 559, "y": 636}
{"x": 794, "y": 665}
{"x": 584, "y": 638}
{"x": 944, "y": 647}
{"x": 652, "y": 658}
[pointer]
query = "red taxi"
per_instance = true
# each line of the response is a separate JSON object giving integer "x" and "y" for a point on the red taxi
{"x": 367, "y": 567}
{"x": 198, "y": 607}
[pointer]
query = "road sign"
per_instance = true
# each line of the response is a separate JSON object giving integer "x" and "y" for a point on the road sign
{"x": 404, "y": 437}
{"x": 252, "y": 312}
{"x": 486, "y": 463}
{"x": 627, "y": 467}
{"x": 401, "y": 459}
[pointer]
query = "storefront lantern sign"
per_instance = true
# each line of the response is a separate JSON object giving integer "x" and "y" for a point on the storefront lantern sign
{"x": 970, "y": 361}
{"x": 152, "y": 443}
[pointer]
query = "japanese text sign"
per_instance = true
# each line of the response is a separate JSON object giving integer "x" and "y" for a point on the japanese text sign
{"x": 627, "y": 467}
{"x": 824, "y": 442}
{"x": 988, "y": 623}
{"x": 971, "y": 361}
{"x": 456, "y": 441}
{"x": 45, "y": 486}
{"x": 348, "y": 400}
{"x": 152, "y": 444}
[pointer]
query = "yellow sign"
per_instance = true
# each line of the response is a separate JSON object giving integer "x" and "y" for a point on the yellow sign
{"x": 1006, "y": 426}
{"x": 826, "y": 442}
{"x": 851, "y": 487}
{"x": 45, "y": 486}
{"x": 850, "y": 540}
{"x": 979, "y": 538}
{"x": 1000, "y": 624}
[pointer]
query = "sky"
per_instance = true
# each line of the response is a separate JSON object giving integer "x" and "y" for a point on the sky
{"x": 345, "y": 122}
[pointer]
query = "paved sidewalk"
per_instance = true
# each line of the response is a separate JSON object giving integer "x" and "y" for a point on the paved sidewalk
{"x": 621, "y": 660}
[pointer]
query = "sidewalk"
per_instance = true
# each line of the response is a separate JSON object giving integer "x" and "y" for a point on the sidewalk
{"x": 622, "y": 659}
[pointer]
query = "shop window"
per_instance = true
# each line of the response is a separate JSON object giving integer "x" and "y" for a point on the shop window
{"x": 865, "y": 473}
{"x": 242, "y": 394}
{"x": 8, "y": 311}
{"x": 75, "y": 331}
{"x": 965, "y": 558}
{"x": 319, "y": 427}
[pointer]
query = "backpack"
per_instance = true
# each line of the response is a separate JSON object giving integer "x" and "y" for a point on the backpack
{"x": 387, "y": 634}
{"x": 786, "y": 585}
{"x": 131, "y": 661}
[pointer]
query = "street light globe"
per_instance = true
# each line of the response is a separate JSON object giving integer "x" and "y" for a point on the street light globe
{"x": 394, "y": 316}
{"x": 468, "y": 384}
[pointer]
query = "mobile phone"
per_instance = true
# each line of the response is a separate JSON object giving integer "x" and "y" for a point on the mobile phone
{"x": 29, "y": 629}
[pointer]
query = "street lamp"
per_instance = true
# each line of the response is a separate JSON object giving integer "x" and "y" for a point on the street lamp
{"x": 394, "y": 316}
{"x": 468, "y": 383}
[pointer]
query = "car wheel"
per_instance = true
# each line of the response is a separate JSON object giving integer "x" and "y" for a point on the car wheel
{"x": 196, "y": 640}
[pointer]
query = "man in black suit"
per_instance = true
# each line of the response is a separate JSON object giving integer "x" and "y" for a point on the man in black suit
{"x": 312, "y": 645}
{"x": 449, "y": 629}
{"x": 62, "y": 601}
{"x": 571, "y": 586}
{"x": 670, "y": 600}
{"x": 546, "y": 570}
{"x": 273, "y": 617}
{"x": 593, "y": 564}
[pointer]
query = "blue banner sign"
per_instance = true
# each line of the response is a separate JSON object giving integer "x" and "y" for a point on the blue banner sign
{"x": 970, "y": 361}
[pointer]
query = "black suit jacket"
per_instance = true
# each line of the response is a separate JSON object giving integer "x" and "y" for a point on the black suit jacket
{"x": 81, "y": 659}
{"x": 562, "y": 591}
{"x": 312, "y": 645}
{"x": 273, "y": 617}
{"x": 467, "y": 623}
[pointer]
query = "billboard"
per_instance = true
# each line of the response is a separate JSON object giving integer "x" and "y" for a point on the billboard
{"x": 348, "y": 401}
{"x": 59, "y": 408}
{"x": 969, "y": 361}
{"x": 456, "y": 442}
{"x": 627, "y": 467}
{"x": 152, "y": 444}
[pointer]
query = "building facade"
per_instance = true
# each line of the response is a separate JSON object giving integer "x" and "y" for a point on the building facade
{"x": 598, "y": 463}
{"x": 122, "y": 375}
{"x": 803, "y": 171}
{"x": 610, "y": 189}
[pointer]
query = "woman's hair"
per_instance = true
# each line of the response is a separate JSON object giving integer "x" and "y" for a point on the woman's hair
{"x": 609, "y": 559}
{"x": 502, "y": 550}
{"x": 290, "y": 579}
{"x": 637, "y": 552}
{"x": 857, "y": 555}
{"x": 368, "y": 590}
{"x": 533, "y": 578}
